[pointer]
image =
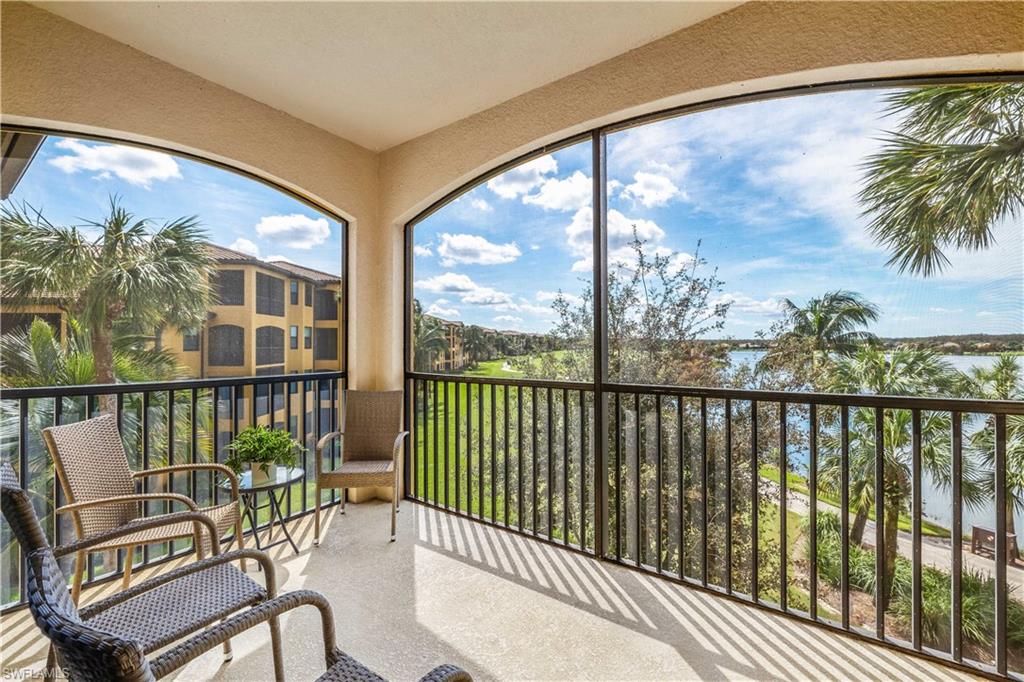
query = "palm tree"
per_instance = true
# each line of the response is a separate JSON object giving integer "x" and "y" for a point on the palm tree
{"x": 952, "y": 169}
{"x": 129, "y": 275}
{"x": 476, "y": 343}
{"x": 830, "y": 323}
{"x": 1003, "y": 381}
{"x": 428, "y": 338}
{"x": 903, "y": 371}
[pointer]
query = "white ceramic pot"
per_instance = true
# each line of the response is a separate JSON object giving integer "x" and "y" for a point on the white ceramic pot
{"x": 258, "y": 477}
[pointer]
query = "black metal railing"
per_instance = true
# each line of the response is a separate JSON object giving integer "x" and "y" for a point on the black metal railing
{"x": 161, "y": 423}
{"x": 739, "y": 492}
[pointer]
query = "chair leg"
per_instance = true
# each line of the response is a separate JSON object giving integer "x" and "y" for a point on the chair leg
{"x": 316, "y": 518}
{"x": 344, "y": 494}
{"x": 129, "y": 559}
{"x": 240, "y": 538}
{"x": 76, "y": 583}
{"x": 275, "y": 645}
{"x": 394, "y": 510}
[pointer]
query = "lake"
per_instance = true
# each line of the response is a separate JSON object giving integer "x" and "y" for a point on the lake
{"x": 938, "y": 503}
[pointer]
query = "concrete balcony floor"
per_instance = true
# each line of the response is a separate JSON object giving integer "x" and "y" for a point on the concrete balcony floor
{"x": 507, "y": 607}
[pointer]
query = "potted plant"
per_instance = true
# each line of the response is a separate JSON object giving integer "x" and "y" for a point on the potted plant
{"x": 261, "y": 449}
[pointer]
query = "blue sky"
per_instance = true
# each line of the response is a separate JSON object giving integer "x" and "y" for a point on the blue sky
{"x": 768, "y": 188}
{"x": 71, "y": 181}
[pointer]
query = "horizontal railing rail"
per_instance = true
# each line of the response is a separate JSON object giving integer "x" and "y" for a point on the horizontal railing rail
{"x": 809, "y": 504}
{"x": 161, "y": 423}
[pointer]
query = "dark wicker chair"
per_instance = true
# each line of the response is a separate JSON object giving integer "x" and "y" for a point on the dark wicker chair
{"x": 112, "y": 639}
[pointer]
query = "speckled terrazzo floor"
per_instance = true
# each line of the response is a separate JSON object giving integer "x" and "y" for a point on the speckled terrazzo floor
{"x": 506, "y": 607}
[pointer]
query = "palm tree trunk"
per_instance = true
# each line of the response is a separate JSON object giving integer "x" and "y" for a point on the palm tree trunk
{"x": 860, "y": 521}
{"x": 103, "y": 361}
{"x": 892, "y": 517}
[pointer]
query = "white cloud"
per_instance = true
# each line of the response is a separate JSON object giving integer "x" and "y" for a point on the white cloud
{"x": 422, "y": 251}
{"x": 649, "y": 189}
{"x": 481, "y": 205}
{"x": 294, "y": 230}
{"x": 448, "y": 283}
{"x": 522, "y": 179}
{"x": 438, "y": 309}
{"x": 508, "y": 318}
{"x": 573, "y": 299}
{"x": 620, "y": 236}
{"x": 945, "y": 311}
{"x": 245, "y": 246}
{"x": 986, "y": 313}
{"x": 135, "y": 166}
{"x": 748, "y": 304}
{"x": 567, "y": 194}
{"x": 278, "y": 259}
{"x": 470, "y": 248}
{"x": 534, "y": 247}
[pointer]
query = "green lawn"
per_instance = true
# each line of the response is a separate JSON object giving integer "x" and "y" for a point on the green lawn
{"x": 798, "y": 483}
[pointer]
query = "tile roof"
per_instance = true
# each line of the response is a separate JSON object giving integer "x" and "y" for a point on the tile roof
{"x": 222, "y": 254}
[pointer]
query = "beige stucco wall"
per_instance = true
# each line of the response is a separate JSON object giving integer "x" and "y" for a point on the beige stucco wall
{"x": 56, "y": 72}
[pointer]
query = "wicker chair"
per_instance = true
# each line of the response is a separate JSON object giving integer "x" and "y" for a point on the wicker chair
{"x": 111, "y": 639}
{"x": 372, "y": 439}
{"x": 100, "y": 489}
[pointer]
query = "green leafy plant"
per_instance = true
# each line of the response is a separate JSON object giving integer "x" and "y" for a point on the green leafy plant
{"x": 264, "y": 447}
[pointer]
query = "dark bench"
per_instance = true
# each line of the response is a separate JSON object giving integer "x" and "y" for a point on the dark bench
{"x": 983, "y": 540}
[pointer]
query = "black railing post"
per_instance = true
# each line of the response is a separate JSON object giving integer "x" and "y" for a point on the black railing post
{"x": 599, "y": 199}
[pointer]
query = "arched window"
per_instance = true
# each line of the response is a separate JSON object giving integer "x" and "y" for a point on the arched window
{"x": 227, "y": 346}
{"x": 269, "y": 345}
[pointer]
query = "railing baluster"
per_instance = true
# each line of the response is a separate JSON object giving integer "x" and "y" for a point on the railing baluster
{"x": 844, "y": 514}
{"x": 519, "y": 456}
{"x": 193, "y": 440}
{"x": 783, "y": 493}
{"x": 170, "y": 455}
{"x": 637, "y": 493}
{"x": 680, "y": 498}
{"x": 658, "y": 502}
{"x": 1001, "y": 544}
{"x": 618, "y": 476}
{"x": 447, "y": 448}
{"x": 704, "y": 490}
{"x": 458, "y": 448}
{"x": 882, "y": 588}
{"x": 145, "y": 465}
{"x": 956, "y": 537}
{"x": 812, "y": 475}
{"x": 480, "y": 453}
{"x": 305, "y": 440}
{"x": 469, "y": 449}
{"x": 494, "y": 454}
{"x": 550, "y": 466}
{"x": 505, "y": 457}
{"x": 565, "y": 467}
{"x": 755, "y": 477}
{"x": 434, "y": 385}
{"x": 583, "y": 470}
{"x": 58, "y": 494}
{"x": 728, "y": 496}
{"x": 23, "y": 429}
{"x": 533, "y": 453}
{"x": 915, "y": 515}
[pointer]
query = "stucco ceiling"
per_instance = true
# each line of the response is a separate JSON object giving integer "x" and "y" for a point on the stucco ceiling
{"x": 380, "y": 73}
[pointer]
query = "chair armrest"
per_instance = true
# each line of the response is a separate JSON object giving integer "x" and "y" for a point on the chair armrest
{"x": 195, "y": 646}
{"x": 322, "y": 443}
{"x": 182, "y": 571}
{"x": 135, "y": 497}
{"x": 143, "y": 524}
{"x": 398, "y": 445}
{"x": 204, "y": 466}
{"x": 447, "y": 673}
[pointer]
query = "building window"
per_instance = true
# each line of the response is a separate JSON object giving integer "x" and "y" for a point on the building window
{"x": 309, "y": 295}
{"x": 326, "y": 344}
{"x": 190, "y": 340}
{"x": 307, "y": 338}
{"x": 326, "y": 307}
{"x": 269, "y": 345}
{"x": 229, "y": 287}
{"x": 226, "y": 346}
{"x": 273, "y": 370}
{"x": 293, "y": 292}
{"x": 293, "y": 337}
{"x": 269, "y": 295}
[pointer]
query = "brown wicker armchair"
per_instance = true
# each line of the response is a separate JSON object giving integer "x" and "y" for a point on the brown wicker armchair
{"x": 371, "y": 442}
{"x": 114, "y": 639}
{"x": 100, "y": 489}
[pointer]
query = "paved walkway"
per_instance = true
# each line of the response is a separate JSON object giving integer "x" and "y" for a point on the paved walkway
{"x": 935, "y": 551}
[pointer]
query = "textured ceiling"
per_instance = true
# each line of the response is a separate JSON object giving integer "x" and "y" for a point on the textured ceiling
{"x": 380, "y": 73}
